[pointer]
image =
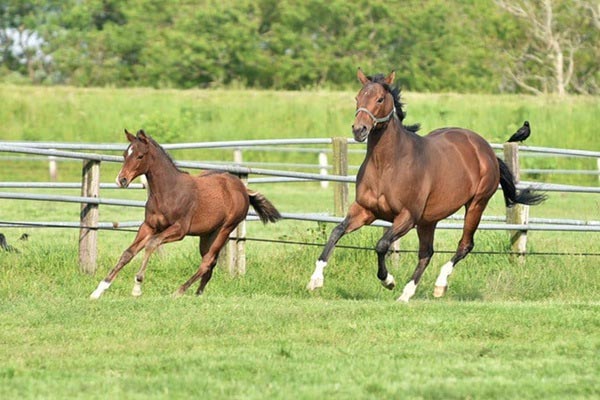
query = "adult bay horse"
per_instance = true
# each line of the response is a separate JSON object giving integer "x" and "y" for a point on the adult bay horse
{"x": 415, "y": 181}
{"x": 210, "y": 206}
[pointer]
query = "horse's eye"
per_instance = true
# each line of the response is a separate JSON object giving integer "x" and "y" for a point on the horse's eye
{"x": 140, "y": 156}
{"x": 380, "y": 100}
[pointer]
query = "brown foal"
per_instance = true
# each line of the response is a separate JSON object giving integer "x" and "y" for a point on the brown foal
{"x": 210, "y": 206}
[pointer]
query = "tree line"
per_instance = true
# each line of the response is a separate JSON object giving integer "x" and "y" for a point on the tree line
{"x": 501, "y": 46}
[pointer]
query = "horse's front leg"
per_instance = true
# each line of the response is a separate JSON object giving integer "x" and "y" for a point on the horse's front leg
{"x": 401, "y": 225}
{"x": 173, "y": 233}
{"x": 143, "y": 235}
{"x": 357, "y": 216}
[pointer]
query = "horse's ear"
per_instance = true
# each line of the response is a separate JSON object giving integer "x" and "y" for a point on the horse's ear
{"x": 362, "y": 77}
{"x": 390, "y": 78}
{"x": 141, "y": 135}
{"x": 130, "y": 137}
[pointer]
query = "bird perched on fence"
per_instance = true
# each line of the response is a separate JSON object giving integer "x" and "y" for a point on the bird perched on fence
{"x": 4, "y": 244}
{"x": 521, "y": 134}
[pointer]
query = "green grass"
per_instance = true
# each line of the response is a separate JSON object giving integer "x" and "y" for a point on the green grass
{"x": 504, "y": 330}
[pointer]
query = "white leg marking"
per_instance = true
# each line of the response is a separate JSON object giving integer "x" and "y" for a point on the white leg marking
{"x": 137, "y": 288}
{"x": 102, "y": 286}
{"x": 408, "y": 292}
{"x": 441, "y": 283}
{"x": 316, "y": 280}
{"x": 389, "y": 282}
{"x": 442, "y": 279}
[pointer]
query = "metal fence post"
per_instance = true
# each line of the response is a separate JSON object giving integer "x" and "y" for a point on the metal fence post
{"x": 88, "y": 232}
{"x": 340, "y": 167}
{"x": 519, "y": 213}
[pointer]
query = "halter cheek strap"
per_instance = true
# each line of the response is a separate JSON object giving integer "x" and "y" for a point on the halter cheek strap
{"x": 374, "y": 118}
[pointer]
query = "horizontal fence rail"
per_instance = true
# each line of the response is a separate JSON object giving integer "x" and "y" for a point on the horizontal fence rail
{"x": 54, "y": 151}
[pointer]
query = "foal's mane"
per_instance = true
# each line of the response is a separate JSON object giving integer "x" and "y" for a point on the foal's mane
{"x": 164, "y": 152}
{"x": 395, "y": 92}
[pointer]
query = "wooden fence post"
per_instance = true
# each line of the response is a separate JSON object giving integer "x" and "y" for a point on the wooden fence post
{"x": 88, "y": 233}
{"x": 233, "y": 254}
{"x": 519, "y": 213}
{"x": 340, "y": 167}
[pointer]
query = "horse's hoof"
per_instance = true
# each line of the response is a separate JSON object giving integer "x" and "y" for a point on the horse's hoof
{"x": 439, "y": 291}
{"x": 315, "y": 283}
{"x": 389, "y": 282}
{"x": 94, "y": 296}
{"x": 403, "y": 299}
{"x": 177, "y": 294}
{"x": 136, "y": 292}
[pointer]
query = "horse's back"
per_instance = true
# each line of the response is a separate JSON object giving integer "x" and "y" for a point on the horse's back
{"x": 222, "y": 199}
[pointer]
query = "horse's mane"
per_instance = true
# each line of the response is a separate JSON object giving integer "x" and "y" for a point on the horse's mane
{"x": 164, "y": 152}
{"x": 395, "y": 92}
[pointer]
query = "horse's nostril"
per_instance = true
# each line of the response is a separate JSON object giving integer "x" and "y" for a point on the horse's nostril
{"x": 123, "y": 182}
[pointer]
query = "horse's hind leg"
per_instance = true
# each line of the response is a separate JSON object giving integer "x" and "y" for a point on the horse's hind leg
{"x": 473, "y": 213}
{"x": 357, "y": 216}
{"x": 426, "y": 234}
{"x": 209, "y": 259}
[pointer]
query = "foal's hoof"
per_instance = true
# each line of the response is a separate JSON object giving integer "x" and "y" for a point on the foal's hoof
{"x": 136, "y": 291}
{"x": 315, "y": 283}
{"x": 439, "y": 291}
{"x": 389, "y": 282}
{"x": 178, "y": 293}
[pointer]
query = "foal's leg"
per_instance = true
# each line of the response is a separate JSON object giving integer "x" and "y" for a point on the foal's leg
{"x": 143, "y": 235}
{"x": 465, "y": 245}
{"x": 205, "y": 243}
{"x": 425, "y": 233}
{"x": 208, "y": 261}
{"x": 401, "y": 225}
{"x": 173, "y": 233}
{"x": 357, "y": 216}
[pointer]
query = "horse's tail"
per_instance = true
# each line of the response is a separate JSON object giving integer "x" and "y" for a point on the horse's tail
{"x": 511, "y": 196}
{"x": 264, "y": 208}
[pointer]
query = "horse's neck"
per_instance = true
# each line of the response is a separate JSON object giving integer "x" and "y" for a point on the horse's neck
{"x": 162, "y": 175}
{"x": 388, "y": 146}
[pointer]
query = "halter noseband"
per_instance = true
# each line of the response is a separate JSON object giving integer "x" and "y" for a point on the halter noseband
{"x": 375, "y": 119}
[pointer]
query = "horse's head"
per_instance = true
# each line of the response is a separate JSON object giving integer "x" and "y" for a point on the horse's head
{"x": 135, "y": 158}
{"x": 374, "y": 105}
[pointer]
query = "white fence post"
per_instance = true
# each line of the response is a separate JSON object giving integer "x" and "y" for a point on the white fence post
{"x": 323, "y": 168}
{"x": 52, "y": 168}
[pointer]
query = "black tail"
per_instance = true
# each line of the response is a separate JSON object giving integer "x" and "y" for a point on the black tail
{"x": 264, "y": 208}
{"x": 511, "y": 197}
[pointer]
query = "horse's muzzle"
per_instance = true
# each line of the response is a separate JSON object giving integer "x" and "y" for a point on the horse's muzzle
{"x": 360, "y": 133}
{"x": 122, "y": 182}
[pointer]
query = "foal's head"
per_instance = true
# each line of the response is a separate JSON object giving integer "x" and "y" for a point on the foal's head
{"x": 136, "y": 158}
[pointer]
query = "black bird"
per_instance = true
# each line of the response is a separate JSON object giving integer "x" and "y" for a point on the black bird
{"x": 5, "y": 246}
{"x": 522, "y": 134}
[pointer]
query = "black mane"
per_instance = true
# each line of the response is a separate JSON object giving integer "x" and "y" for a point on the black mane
{"x": 395, "y": 92}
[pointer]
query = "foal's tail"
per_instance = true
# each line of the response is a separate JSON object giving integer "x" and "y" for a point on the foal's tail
{"x": 511, "y": 197}
{"x": 264, "y": 208}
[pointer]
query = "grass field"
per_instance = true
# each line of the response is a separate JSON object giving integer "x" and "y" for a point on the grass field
{"x": 504, "y": 330}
